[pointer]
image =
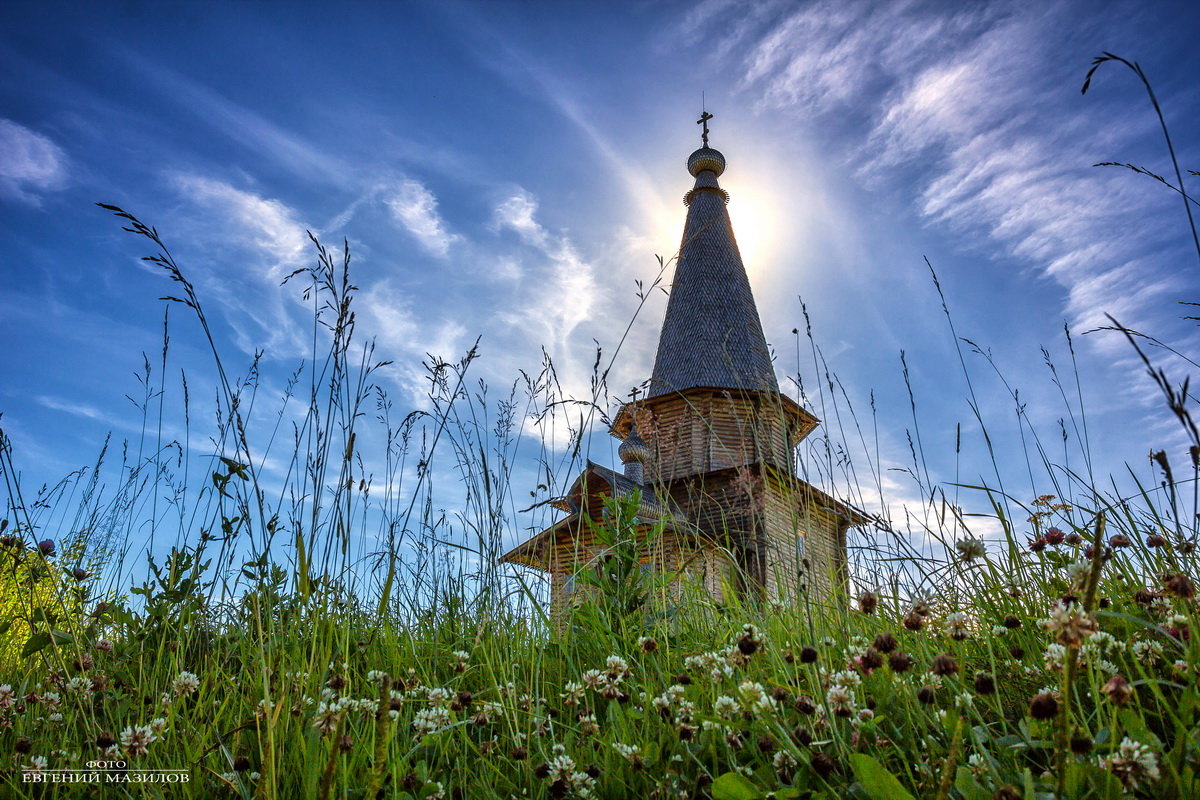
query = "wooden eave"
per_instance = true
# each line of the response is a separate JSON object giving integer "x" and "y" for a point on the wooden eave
{"x": 804, "y": 422}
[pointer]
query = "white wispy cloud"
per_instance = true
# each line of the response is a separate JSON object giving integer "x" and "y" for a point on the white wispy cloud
{"x": 961, "y": 101}
{"x": 408, "y": 340}
{"x": 266, "y": 241}
{"x": 415, "y": 207}
{"x": 30, "y": 163}
{"x": 563, "y": 295}
{"x": 265, "y": 224}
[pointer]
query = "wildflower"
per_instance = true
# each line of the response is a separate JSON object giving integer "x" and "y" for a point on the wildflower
{"x": 438, "y": 696}
{"x": 926, "y": 695}
{"x": 136, "y": 739}
{"x": 914, "y": 621}
{"x": 1037, "y": 545}
{"x": 46, "y": 547}
{"x": 900, "y": 662}
{"x": 1043, "y": 706}
{"x": 1055, "y": 656}
{"x": 185, "y": 683}
{"x": 1078, "y": 571}
{"x": 1054, "y": 536}
{"x": 1120, "y": 540}
{"x": 804, "y": 705}
{"x": 754, "y": 695}
{"x": 647, "y": 644}
{"x": 944, "y": 665}
{"x": 885, "y": 643}
{"x": 572, "y": 693}
{"x": 808, "y": 655}
{"x": 37, "y": 765}
{"x": 1118, "y": 690}
{"x": 327, "y": 716}
{"x": 840, "y": 700}
{"x": 1132, "y": 763}
{"x": 785, "y": 763}
{"x": 1072, "y": 624}
{"x": 587, "y": 725}
{"x": 431, "y": 720}
{"x": 823, "y": 765}
{"x": 1147, "y": 652}
{"x": 8, "y": 697}
{"x": 1081, "y": 745}
{"x": 870, "y": 660}
{"x": 970, "y": 549}
{"x": 80, "y": 574}
{"x": 956, "y": 626}
{"x": 868, "y": 602}
{"x": 726, "y": 707}
{"x": 984, "y": 683}
{"x": 80, "y": 683}
{"x": 1179, "y": 585}
{"x": 628, "y": 751}
{"x": 1156, "y": 540}
{"x": 618, "y": 668}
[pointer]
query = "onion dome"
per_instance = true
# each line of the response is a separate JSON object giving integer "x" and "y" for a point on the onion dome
{"x": 706, "y": 158}
{"x": 634, "y": 453}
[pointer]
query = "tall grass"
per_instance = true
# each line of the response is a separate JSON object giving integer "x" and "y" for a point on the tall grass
{"x": 275, "y": 604}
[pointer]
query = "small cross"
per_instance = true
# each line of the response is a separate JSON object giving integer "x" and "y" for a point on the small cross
{"x": 634, "y": 394}
{"x": 704, "y": 118}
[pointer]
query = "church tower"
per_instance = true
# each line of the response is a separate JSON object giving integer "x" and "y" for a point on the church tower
{"x": 711, "y": 445}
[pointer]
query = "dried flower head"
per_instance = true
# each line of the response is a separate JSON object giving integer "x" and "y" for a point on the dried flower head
{"x": 944, "y": 665}
{"x": 1043, "y": 706}
{"x": 868, "y": 602}
{"x": 1118, "y": 690}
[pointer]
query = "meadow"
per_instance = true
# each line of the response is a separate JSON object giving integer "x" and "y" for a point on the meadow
{"x": 335, "y": 634}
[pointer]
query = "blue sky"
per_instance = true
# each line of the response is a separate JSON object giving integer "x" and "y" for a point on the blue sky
{"x": 510, "y": 170}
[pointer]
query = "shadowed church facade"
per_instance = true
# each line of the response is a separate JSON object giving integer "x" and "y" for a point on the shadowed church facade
{"x": 710, "y": 449}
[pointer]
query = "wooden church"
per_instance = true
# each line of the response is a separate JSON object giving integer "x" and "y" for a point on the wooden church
{"x": 710, "y": 449}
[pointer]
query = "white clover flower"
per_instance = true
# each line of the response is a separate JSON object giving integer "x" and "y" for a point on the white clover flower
{"x": 726, "y": 707}
{"x": 326, "y": 716}
{"x": 1055, "y": 656}
{"x": 185, "y": 683}
{"x": 1132, "y": 763}
{"x": 970, "y": 549}
{"x": 847, "y": 677}
{"x": 617, "y": 666}
{"x": 56, "y": 717}
{"x": 438, "y": 696}
{"x": 560, "y": 765}
{"x": 628, "y": 751}
{"x": 956, "y": 624}
{"x": 1176, "y": 621}
{"x": 136, "y": 739}
{"x": 827, "y": 641}
{"x": 999, "y": 630}
{"x": 1147, "y": 652}
{"x": 80, "y": 683}
{"x": 840, "y": 700}
{"x": 438, "y": 793}
{"x": 461, "y": 656}
{"x": 51, "y": 700}
{"x": 37, "y": 764}
{"x": 978, "y": 765}
{"x": 377, "y": 677}
{"x": 7, "y": 696}
{"x": 158, "y": 726}
{"x": 784, "y": 761}
{"x": 431, "y": 720}
{"x": 1078, "y": 572}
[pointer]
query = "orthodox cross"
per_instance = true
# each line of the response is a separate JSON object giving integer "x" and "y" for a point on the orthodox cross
{"x": 704, "y": 118}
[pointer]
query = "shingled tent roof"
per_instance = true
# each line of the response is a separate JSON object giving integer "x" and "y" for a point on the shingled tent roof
{"x": 712, "y": 335}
